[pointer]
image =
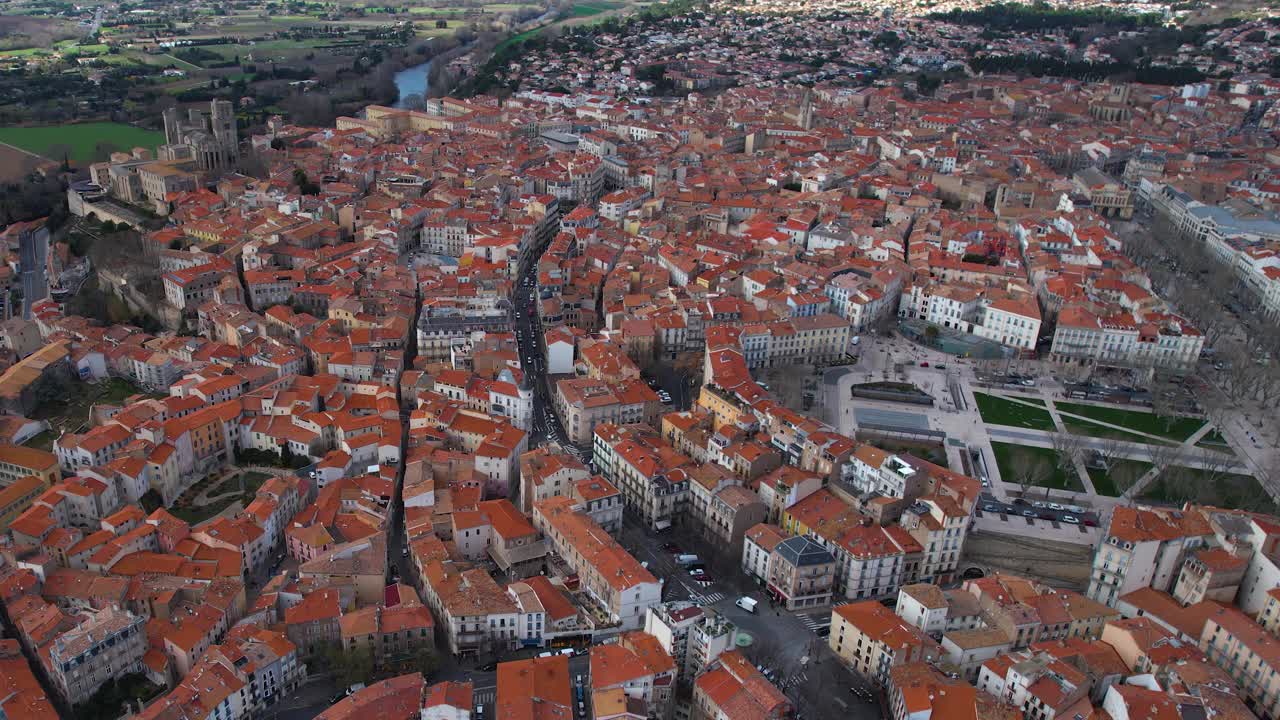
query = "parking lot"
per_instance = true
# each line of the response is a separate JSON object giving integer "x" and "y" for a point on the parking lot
{"x": 1040, "y": 510}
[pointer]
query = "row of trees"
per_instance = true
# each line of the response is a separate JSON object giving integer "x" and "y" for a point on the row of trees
{"x": 356, "y": 665}
{"x": 1216, "y": 300}
{"x": 1043, "y": 16}
{"x": 1041, "y": 65}
{"x": 1172, "y": 475}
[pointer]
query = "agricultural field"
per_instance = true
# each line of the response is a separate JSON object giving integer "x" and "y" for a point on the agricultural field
{"x": 588, "y": 9}
{"x": 81, "y": 138}
{"x": 79, "y": 65}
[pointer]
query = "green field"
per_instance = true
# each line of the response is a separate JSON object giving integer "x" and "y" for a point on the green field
{"x": 1177, "y": 428}
{"x": 81, "y": 138}
{"x": 1213, "y": 440}
{"x": 1083, "y": 427}
{"x": 1240, "y": 492}
{"x": 589, "y": 9}
{"x": 66, "y": 46}
{"x": 521, "y": 37}
{"x": 1104, "y": 481}
{"x": 1000, "y": 411}
{"x": 1011, "y": 458}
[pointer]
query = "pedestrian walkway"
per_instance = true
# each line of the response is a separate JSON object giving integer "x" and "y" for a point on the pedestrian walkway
{"x": 486, "y": 696}
{"x": 799, "y": 678}
{"x": 707, "y": 599}
{"x": 1077, "y": 462}
{"x": 815, "y": 622}
{"x": 1149, "y": 476}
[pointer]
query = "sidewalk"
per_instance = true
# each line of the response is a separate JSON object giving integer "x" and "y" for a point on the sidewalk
{"x": 1150, "y": 475}
{"x": 1082, "y": 473}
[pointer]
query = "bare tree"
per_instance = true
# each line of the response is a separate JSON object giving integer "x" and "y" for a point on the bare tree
{"x": 1165, "y": 459}
{"x": 1182, "y": 484}
{"x": 1111, "y": 450}
{"x": 1069, "y": 449}
{"x": 1164, "y": 396}
{"x": 1124, "y": 475}
{"x": 1030, "y": 470}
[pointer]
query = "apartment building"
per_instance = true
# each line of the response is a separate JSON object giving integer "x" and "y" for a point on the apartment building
{"x": 389, "y": 634}
{"x": 16, "y": 497}
{"x": 637, "y": 663}
{"x": 22, "y": 694}
{"x": 108, "y": 645}
{"x": 17, "y": 462}
{"x": 758, "y": 544}
{"x": 607, "y": 573}
{"x": 313, "y": 623}
{"x": 939, "y": 525}
{"x": 1037, "y": 683}
{"x": 730, "y": 513}
{"x": 872, "y": 640}
{"x": 1248, "y": 654}
{"x": 477, "y": 616}
{"x": 801, "y": 574}
{"x": 918, "y": 691}
{"x": 545, "y": 473}
{"x": 584, "y": 403}
{"x": 601, "y": 501}
{"x": 734, "y": 689}
{"x": 1144, "y": 548}
{"x": 692, "y": 635}
{"x": 650, "y": 473}
{"x": 534, "y": 688}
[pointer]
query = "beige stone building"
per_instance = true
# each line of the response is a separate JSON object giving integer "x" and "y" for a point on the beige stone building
{"x": 109, "y": 645}
{"x": 872, "y": 640}
{"x": 801, "y": 573}
{"x": 1249, "y": 655}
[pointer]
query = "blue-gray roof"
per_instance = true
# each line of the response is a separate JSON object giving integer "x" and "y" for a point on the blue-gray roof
{"x": 801, "y": 551}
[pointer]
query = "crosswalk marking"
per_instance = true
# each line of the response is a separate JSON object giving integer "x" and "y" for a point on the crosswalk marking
{"x": 815, "y": 622}
{"x": 797, "y": 679}
{"x": 708, "y": 598}
{"x": 486, "y": 696}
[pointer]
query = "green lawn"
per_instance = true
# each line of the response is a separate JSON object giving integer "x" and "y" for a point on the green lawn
{"x": 252, "y": 482}
{"x": 26, "y": 52}
{"x": 80, "y": 137}
{"x": 1240, "y": 492}
{"x": 1084, "y": 427}
{"x": 1178, "y": 428}
{"x": 71, "y": 410}
{"x": 1105, "y": 481}
{"x": 43, "y": 441}
{"x": 521, "y": 37}
{"x": 593, "y": 8}
{"x": 105, "y": 704}
{"x": 1000, "y": 411}
{"x": 1213, "y": 440}
{"x": 1011, "y": 458}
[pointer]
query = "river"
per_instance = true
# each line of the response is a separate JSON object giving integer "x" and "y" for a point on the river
{"x": 412, "y": 81}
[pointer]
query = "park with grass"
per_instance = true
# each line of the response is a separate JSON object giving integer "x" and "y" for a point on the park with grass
{"x": 66, "y": 405}
{"x": 1180, "y": 485}
{"x": 1172, "y": 428}
{"x": 212, "y": 495}
{"x": 1034, "y": 467}
{"x": 996, "y": 410}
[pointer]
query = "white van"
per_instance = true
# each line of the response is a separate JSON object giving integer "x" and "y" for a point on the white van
{"x": 746, "y": 603}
